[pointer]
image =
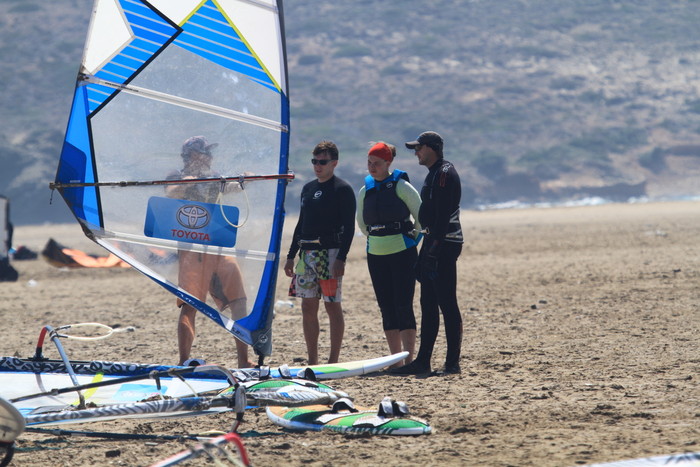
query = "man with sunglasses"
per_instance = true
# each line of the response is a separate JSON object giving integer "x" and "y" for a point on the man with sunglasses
{"x": 437, "y": 262}
{"x": 322, "y": 238}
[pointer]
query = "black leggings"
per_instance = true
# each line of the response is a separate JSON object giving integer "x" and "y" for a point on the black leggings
{"x": 440, "y": 294}
{"x": 394, "y": 281}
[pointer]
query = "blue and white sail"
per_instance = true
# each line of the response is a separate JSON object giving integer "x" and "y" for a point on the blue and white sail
{"x": 155, "y": 74}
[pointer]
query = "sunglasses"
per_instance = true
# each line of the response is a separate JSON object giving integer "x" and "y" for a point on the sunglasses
{"x": 320, "y": 161}
{"x": 418, "y": 147}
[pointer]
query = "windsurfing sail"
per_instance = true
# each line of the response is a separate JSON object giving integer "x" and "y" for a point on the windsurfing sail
{"x": 162, "y": 83}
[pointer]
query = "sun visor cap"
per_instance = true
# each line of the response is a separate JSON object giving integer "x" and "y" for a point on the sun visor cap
{"x": 427, "y": 138}
{"x": 197, "y": 144}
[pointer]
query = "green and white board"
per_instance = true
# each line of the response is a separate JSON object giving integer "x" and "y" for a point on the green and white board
{"x": 361, "y": 420}
{"x": 288, "y": 392}
{"x": 349, "y": 369}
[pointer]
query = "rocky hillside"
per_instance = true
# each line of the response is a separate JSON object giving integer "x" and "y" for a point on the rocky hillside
{"x": 535, "y": 101}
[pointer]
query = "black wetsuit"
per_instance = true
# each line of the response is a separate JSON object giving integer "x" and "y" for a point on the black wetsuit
{"x": 437, "y": 263}
{"x": 327, "y": 214}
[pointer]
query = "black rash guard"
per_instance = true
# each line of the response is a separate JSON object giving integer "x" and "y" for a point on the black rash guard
{"x": 327, "y": 213}
{"x": 439, "y": 210}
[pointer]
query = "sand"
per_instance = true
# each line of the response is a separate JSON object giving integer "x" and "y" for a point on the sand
{"x": 581, "y": 345}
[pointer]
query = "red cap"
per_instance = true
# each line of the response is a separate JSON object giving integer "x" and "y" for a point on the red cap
{"x": 382, "y": 151}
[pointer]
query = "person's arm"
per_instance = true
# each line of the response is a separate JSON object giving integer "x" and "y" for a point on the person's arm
{"x": 176, "y": 191}
{"x": 293, "y": 249}
{"x": 360, "y": 211}
{"x": 236, "y": 186}
{"x": 296, "y": 236}
{"x": 346, "y": 207}
{"x": 411, "y": 198}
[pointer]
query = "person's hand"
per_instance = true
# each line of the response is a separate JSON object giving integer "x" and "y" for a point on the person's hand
{"x": 289, "y": 267}
{"x": 178, "y": 190}
{"x": 427, "y": 266}
{"x": 338, "y": 269}
{"x": 236, "y": 186}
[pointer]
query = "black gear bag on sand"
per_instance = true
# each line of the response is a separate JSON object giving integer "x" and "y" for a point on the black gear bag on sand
{"x": 7, "y": 272}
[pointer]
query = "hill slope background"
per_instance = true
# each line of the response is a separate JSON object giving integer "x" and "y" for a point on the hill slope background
{"x": 535, "y": 103}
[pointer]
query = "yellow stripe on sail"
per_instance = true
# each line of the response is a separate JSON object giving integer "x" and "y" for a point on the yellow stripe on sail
{"x": 90, "y": 392}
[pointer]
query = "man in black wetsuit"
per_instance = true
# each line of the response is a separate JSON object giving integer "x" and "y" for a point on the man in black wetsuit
{"x": 322, "y": 238}
{"x": 437, "y": 261}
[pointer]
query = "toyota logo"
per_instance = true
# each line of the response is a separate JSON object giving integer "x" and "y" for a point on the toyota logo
{"x": 193, "y": 217}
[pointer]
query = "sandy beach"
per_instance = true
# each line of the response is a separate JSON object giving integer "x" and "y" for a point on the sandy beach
{"x": 581, "y": 345}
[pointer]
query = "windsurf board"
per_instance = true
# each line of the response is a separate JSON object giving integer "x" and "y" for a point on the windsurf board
{"x": 348, "y": 369}
{"x": 685, "y": 460}
{"x": 362, "y": 420}
{"x": 289, "y": 392}
{"x": 14, "y": 365}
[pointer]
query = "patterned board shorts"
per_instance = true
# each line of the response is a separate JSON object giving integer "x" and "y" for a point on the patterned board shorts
{"x": 312, "y": 276}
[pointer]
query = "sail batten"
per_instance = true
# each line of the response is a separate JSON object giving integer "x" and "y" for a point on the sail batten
{"x": 139, "y": 240}
{"x": 157, "y": 75}
{"x": 195, "y": 105}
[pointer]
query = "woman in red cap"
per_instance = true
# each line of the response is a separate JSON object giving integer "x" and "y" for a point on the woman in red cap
{"x": 386, "y": 205}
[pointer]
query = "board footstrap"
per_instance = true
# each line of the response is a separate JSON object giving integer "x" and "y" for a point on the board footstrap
{"x": 388, "y": 407}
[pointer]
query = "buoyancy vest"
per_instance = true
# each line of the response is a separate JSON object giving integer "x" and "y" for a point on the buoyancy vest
{"x": 384, "y": 212}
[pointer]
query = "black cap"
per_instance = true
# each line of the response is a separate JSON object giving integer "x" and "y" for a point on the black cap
{"x": 197, "y": 144}
{"x": 428, "y": 138}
